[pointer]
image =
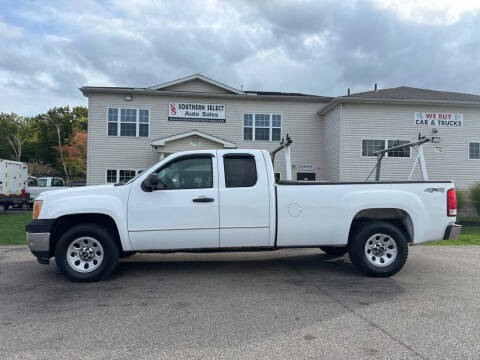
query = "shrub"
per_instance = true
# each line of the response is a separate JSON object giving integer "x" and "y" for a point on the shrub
{"x": 460, "y": 198}
{"x": 475, "y": 196}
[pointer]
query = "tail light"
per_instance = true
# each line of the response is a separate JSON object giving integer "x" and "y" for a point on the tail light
{"x": 451, "y": 203}
{"x": 23, "y": 193}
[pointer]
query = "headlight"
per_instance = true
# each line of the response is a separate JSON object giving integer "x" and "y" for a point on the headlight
{"x": 37, "y": 206}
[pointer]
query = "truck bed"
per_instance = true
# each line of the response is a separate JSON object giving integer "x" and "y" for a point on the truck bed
{"x": 323, "y": 212}
{"x": 297, "y": 182}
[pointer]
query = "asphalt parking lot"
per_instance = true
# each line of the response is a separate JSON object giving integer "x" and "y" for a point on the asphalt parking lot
{"x": 281, "y": 305}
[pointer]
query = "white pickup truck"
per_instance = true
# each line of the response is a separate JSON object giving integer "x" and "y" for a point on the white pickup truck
{"x": 43, "y": 184}
{"x": 227, "y": 200}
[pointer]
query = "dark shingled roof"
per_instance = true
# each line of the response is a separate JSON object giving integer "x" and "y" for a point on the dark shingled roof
{"x": 405, "y": 92}
{"x": 279, "y": 93}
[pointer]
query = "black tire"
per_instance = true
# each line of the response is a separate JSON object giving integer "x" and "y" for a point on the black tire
{"x": 357, "y": 248}
{"x": 126, "y": 254}
{"x": 100, "y": 234}
{"x": 334, "y": 250}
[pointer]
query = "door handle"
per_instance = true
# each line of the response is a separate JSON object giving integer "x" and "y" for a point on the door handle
{"x": 203, "y": 199}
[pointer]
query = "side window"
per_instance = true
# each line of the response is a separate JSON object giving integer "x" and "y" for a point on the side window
{"x": 42, "y": 182}
{"x": 32, "y": 182}
{"x": 57, "y": 182}
{"x": 240, "y": 170}
{"x": 187, "y": 173}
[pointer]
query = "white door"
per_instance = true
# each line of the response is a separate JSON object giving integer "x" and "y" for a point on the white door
{"x": 13, "y": 183}
{"x": 182, "y": 215}
{"x": 244, "y": 199}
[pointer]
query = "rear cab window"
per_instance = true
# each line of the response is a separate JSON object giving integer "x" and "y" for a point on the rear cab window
{"x": 57, "y": 182}
{"x": 42, "y": 182}
{"x": 240, "y": 170}
{"x": 32, "y": 182}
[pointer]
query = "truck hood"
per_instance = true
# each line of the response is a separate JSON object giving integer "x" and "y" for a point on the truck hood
{"x": 79, "y": 191}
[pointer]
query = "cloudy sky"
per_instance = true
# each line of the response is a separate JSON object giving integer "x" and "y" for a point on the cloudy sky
{"x": 51, "y": 48}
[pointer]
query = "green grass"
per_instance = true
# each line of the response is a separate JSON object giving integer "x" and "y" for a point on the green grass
{"x": 12, "y": 232}
{"x": 12, "y": 228}
{"x": 472, "y": 218}
{"x": 470, "y": 236}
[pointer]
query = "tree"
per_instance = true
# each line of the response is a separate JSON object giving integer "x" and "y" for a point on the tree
{"x": 7, "y": 129}
{"x": 76, "y": 153}
{"x": 80, "y": 118}
{"x": 23, "y": 131}
{"x": 40, "y": 139}
{"x": 60, "y": 120}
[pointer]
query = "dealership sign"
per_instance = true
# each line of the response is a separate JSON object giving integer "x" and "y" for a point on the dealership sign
{"x": 212, "y": 113}
{"x": 438, "y": 119}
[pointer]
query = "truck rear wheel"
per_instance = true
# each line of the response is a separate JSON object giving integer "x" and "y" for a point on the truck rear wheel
{"x": 378, "y": 249}
{"x": 86, "y": 252}
{"x": 334, "y": 250}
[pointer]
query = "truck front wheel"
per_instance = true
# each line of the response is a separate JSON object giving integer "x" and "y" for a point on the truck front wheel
{"x": 86, "y": 252}
{"x": 378, "y": 249}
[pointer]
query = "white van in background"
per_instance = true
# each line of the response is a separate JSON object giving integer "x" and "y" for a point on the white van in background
{"x": 13, "y": 183}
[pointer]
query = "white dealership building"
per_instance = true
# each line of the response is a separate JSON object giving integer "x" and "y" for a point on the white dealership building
{"x": 334, "y": 138}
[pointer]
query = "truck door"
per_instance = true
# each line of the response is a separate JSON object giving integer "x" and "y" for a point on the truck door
{"x": 244, "y": 199}
{"x": 183, "y": 212}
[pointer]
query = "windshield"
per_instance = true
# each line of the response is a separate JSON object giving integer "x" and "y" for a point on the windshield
{"x": 42, "y": 182}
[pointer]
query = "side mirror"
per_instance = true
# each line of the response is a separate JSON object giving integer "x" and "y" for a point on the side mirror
{"x": 150, "y": 183}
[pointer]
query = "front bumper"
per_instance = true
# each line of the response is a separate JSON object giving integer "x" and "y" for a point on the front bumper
{"x": 38, "y": 238}
{"x": 452, "y": 232}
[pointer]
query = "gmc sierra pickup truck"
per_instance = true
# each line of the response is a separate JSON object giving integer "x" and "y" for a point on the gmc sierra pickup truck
{"x": 227, "y": 200}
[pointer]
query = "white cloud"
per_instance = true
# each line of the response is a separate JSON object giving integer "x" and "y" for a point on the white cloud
{"x": 50, "y": 49}
{"x": 438, "y": 12}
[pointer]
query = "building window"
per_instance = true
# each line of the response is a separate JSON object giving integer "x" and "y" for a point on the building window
{"x": 112, "y": 122}
{"x": 403, "y": 152}
{"x": 276, "y": 127}
{"x": 114, "y": 176}
{"x": 143, "y": 122}
{"x": 262, "y": 127}
{"x": 111, "y": 176}
{"x": 371, "y": 146}
{"x": 248, "y": 127}
{"x": 128, "y": 122}
{"x": 126, "y": 175}
{"x": 474, "y": 150}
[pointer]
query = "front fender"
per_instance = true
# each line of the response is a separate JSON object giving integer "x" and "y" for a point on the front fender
{"x": 109, "y": 205}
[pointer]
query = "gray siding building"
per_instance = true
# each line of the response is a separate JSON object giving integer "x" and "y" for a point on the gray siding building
{"x": 130, "y": 129}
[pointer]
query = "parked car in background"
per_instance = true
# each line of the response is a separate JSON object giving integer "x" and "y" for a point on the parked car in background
{"x": 38, "y": 185}
{"x": 77, "y": 183}
{"x": 13, "y": 181}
